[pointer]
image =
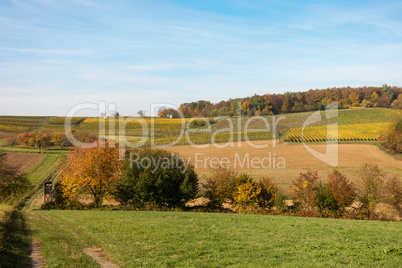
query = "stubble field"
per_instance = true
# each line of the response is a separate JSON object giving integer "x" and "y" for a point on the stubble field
{"x": 286, "y": 160}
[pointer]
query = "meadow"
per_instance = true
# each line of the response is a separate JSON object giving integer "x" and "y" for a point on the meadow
{"x": 178, "y": 239}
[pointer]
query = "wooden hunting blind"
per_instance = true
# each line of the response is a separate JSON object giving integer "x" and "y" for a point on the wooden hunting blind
{"x": 48, "y": 192}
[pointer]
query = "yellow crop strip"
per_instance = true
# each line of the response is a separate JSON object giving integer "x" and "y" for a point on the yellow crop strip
{"x": 350, "y": 132}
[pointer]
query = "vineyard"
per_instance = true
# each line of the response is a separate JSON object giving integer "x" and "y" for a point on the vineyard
{"x": 62, "y": 120}
{"x": 21, "y": 123}
{"x": 351, "y": 132}
{"x": 354, "y": 125}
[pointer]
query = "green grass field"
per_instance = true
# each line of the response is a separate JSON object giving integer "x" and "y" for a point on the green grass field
{"x": 185, "y": 239}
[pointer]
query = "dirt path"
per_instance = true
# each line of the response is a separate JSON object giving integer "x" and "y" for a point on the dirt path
{"x": 35, "y": 257}
{"x": 100, "y": 257}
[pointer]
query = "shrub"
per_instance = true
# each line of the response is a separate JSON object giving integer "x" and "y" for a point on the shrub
{"x": 370, "y": 188}
{"x": 268, "y": 191}
{"x": 246, "y": 193}
{"x": 219, "y": 186}
{"x": 326, "y": 202}
{"x": 393, "y": 193}
{"x": 199, "y": 123}
{"x": 304, "y": 189}
{"x": 341, "y": 189}
{"x": 158, "y": 177}
{"x": 391, "y": 139}
{"x": 279, "y": 201}
{"x": 58, "y": 195}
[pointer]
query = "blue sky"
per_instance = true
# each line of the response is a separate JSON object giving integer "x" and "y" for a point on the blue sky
{"x": 55, "y": 54}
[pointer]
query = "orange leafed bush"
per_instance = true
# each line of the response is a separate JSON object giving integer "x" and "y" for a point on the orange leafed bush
{"x": 393, "y": 193}
{"x": 220, "y": 186}
{"x": 269, "y": 190}
{"x": 391, "y": 139}
{"x": 341, "y": 188}
{"x": 304, "y": 188}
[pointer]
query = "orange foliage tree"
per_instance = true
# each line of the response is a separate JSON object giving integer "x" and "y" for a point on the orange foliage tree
{"x": 94, "y": 171}
{"x": 25, "y": 138}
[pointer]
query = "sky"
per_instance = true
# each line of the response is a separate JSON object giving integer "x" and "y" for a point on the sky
{"x": 134, "y": 54}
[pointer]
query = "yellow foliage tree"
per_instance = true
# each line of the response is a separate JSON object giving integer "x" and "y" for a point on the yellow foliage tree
{"x": 355, "y": 98}
{"x": 374, "y": 97}
{"x": 397, "y": 104}
{"x": 245, "y": 106}
{"x": 94, "y": 171}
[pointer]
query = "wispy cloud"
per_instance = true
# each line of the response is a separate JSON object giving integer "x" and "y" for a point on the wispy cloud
{"x": 44, "y": 51}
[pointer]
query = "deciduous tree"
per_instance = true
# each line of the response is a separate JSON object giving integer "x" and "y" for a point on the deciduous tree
{"x": 11, "y": 141}
{"x": 25, "y": 138}
{"x": 354, "y": 98}
{"x": 94, "y": 171}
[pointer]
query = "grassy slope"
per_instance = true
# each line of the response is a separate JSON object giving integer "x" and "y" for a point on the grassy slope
{"x": 49, "y": 163}
{"x": 155, "y": 239}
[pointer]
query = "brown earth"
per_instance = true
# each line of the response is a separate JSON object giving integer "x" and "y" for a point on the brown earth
{"x": 285, "y": 161}
{"x": 25, "y": 161}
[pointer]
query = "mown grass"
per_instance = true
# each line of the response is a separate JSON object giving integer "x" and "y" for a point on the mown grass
{"x": 184, "y": 239}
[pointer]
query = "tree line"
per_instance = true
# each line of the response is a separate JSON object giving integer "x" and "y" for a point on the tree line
{"x": 44, "y": 139}
{"x": 292, "y": 102}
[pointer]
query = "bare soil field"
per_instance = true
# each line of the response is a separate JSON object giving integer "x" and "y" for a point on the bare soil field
{"x": 285, "y": 161}
{"x": 25, "y": 161}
